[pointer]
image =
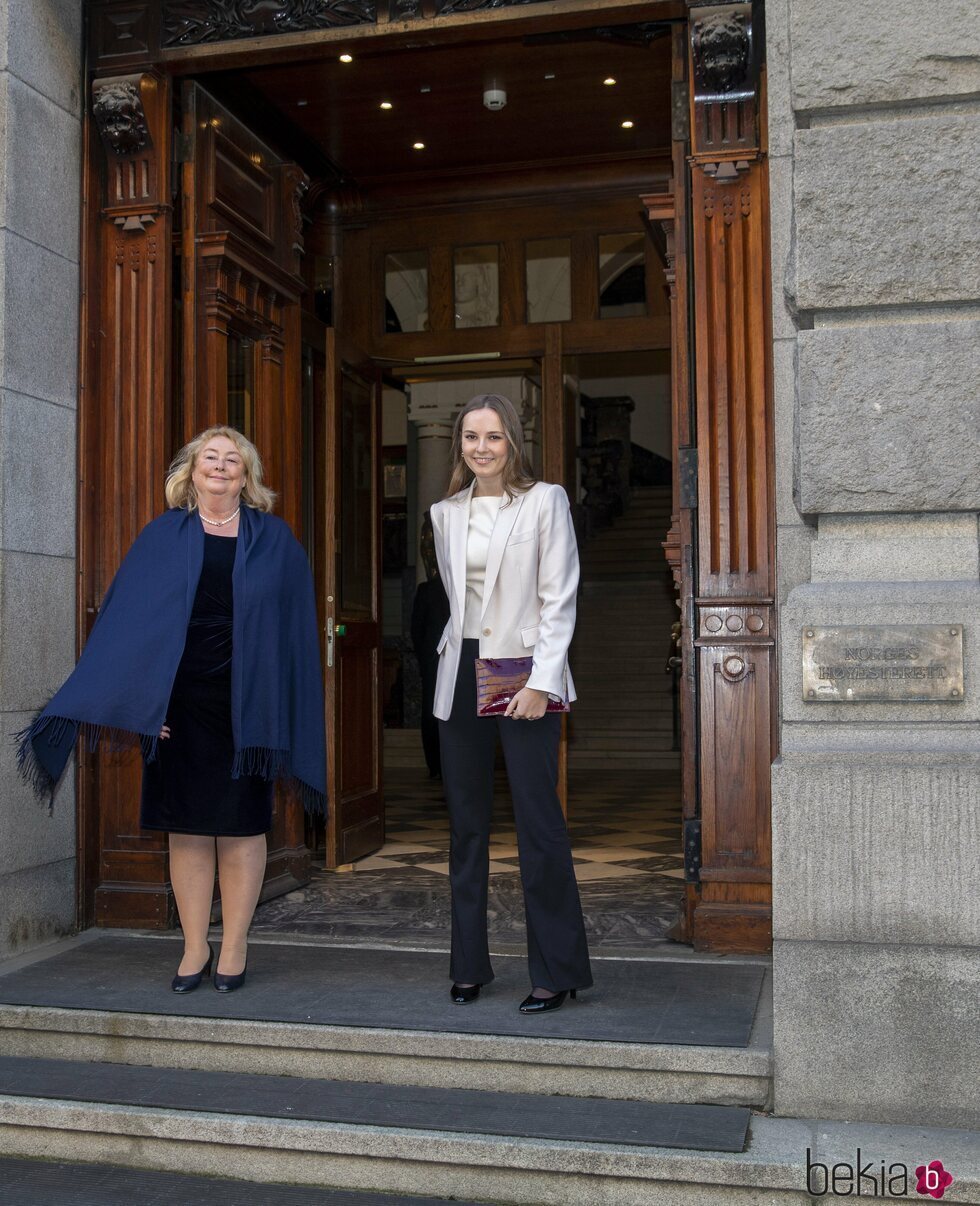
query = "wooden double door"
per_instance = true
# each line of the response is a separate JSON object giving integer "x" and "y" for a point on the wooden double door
{"x": 193, "y": 313}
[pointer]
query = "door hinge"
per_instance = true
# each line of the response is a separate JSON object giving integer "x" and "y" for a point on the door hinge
{"x": 680, "y": 111}
{"x": 687, "y": 470}
{"x": 692, "y": 850}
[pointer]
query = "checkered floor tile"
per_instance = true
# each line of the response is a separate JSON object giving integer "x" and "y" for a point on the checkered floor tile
{"x": 625, "y": 829}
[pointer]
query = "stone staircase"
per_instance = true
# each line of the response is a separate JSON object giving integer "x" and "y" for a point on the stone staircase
{"x": 624, "y": 718}
{"x": 459, "y": 1114}
{"x": 446, "y": 1113}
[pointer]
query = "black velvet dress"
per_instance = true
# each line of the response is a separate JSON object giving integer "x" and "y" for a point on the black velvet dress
{"x": 189, "y": 788}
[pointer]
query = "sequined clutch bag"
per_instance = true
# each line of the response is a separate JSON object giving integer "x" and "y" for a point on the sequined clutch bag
{"x": 498, "y": 679}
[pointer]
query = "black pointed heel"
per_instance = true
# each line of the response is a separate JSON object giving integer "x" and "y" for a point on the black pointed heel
{"x": 533, "y": 1004}
{"x": 463, "y": 996}
{"x": 189, "y": 983}
{"x": 223, "y": 983}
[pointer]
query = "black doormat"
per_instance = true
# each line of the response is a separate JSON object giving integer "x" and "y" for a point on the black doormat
{"x": 49, "y": 1183}
{"x": 710, "y": 1004}
{"x": 470, "y": 1111}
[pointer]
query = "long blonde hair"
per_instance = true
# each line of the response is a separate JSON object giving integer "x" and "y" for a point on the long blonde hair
{"x": 179, "y": 487}
{"x": 518, "y": 475}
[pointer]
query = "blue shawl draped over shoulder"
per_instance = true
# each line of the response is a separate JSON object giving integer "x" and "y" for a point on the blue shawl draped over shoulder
{"x": 120, "y": 689}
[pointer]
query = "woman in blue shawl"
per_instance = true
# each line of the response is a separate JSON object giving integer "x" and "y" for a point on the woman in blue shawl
{"x": 206, "y": 651}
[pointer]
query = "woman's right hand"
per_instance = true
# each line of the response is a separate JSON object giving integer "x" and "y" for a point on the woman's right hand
{"x": 165, "y": 732}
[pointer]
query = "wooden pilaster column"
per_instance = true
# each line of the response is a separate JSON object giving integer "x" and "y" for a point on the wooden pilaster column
{"x": 124, "y": 443}
{"x": 734, "y": 605}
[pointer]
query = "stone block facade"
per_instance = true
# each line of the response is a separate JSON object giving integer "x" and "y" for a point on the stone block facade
{"x": 876, "y": 297}
{"x": 40, "y": 152}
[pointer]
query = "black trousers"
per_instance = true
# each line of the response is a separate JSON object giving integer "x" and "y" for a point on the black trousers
{"x": 558, "y": 954}
{"x": 428, "y": 669}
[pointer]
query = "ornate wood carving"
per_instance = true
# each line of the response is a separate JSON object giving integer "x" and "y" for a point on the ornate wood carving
{"x": 117, "y": 108}
{"x": 122, "y": 32}
{"x": 123, "y": 410}
{"x": 191, "y": 22}
{"x": 732, "y": 378}
{"x": 445, "y": 7}
{"x": 724, "y": 70}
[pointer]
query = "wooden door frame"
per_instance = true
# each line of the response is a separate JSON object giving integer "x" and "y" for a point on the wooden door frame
{"x": 725, "y": 542}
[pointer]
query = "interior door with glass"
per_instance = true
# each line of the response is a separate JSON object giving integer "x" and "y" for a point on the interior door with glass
{"x": 349, "y": 584}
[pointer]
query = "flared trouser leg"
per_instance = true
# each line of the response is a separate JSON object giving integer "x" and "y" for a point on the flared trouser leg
{"x": 557, "y": 948}
{"x": 558, "y": 956}
{"x": 467, "y": 745}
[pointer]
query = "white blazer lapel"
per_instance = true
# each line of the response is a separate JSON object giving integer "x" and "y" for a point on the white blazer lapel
{"x": 456, "y": 534}
{"x": 502, "y": 528}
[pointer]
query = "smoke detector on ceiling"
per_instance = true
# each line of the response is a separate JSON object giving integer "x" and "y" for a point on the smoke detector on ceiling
{"x": 494, "y": 98}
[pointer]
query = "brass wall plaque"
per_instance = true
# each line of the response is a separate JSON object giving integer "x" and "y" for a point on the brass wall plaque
{"x": 900, "y": 663}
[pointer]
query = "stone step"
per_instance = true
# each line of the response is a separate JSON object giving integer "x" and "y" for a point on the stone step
{"x": 615, "y": 760}
{"x": 612, "y": 1070}
{"x": 637, "y": 743}
{"x": 73, "y": 1183}
{"x": 530, "y": 1172}
{"x": 624, "y": 714}
{"x": 464, "y": 1164}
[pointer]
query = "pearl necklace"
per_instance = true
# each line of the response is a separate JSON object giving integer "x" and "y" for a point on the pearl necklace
{"x": 218, "y": 523}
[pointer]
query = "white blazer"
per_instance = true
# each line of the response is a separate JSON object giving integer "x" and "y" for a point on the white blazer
{"x": 529, "y": 591}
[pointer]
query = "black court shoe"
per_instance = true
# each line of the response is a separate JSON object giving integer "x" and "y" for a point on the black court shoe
{"x": 533, "y": 1004}
{"x": 463, "y": 996}
{"x": 223, "y": 983}
{"x": 189, "y": 983}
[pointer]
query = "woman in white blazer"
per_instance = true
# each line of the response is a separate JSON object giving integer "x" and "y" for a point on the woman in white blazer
{"x": 509, "y": 562}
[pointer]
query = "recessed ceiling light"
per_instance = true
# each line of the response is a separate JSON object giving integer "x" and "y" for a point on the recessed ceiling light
{"x": 609, "y": 80}
{"x": 418, "y": 146}
{"x": 425, "y": 88}
{"x": 627, "y": 125}
{"x": 386, "y": 105}
{"x": 302, "y": 104}
{"x": 347, "y": 58}
{"x": 550, "y": 75}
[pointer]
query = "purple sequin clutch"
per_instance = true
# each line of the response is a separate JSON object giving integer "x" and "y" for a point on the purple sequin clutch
{"x": 498, "y": 679}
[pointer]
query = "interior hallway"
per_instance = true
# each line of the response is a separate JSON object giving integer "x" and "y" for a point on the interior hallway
{"x": 625, "y": 830}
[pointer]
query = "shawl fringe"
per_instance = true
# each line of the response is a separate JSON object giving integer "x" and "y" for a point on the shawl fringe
{"x": 275, "y": 764}
{"x": 257, "y": 760}
{"x": 58, "y": 729}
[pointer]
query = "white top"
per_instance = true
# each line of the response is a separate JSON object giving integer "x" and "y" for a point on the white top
{"x": 483, "y": 514}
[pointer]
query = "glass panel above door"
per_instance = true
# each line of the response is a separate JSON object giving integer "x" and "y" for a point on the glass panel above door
{"x": 549, "y": 280}
{"x": 357, "y": 495}
{"x": 476, "y": 295}
{"x": 406, "y": 291}
{"x": 241, "y": 384}
{"x": 622, "y": 275}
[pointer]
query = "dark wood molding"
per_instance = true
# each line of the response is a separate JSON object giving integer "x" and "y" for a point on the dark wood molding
{"x": 734, "y": 611}
{"x": 193, "y": 22}
{"x": 194, "y": 36}
{"x": 123, "y": 446}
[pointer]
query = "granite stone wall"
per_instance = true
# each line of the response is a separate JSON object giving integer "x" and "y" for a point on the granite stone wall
{"x": 40, "y": 156}
{"x": 874, "y": 113}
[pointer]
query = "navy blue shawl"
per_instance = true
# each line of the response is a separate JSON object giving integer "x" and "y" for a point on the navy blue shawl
{"x": 120, "y": 689}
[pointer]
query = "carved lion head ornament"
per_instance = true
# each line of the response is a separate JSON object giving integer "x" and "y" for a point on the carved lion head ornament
{"x": 722, "y": 50}
{"x": 118, "y": 111}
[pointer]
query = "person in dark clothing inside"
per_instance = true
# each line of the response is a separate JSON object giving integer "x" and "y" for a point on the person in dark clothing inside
{"x": 430, "y": 615}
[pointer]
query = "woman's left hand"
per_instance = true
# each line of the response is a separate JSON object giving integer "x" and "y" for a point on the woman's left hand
{"x": 528, "y": 704}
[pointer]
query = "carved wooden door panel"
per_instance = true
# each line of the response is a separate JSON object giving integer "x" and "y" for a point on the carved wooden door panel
{"x": 240, "y": 349}
{"x": 349, "y": 583}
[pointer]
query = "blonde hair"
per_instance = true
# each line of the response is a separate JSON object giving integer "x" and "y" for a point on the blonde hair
{"x": 179, "y": 487}
{"x": 518, "y": 475}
